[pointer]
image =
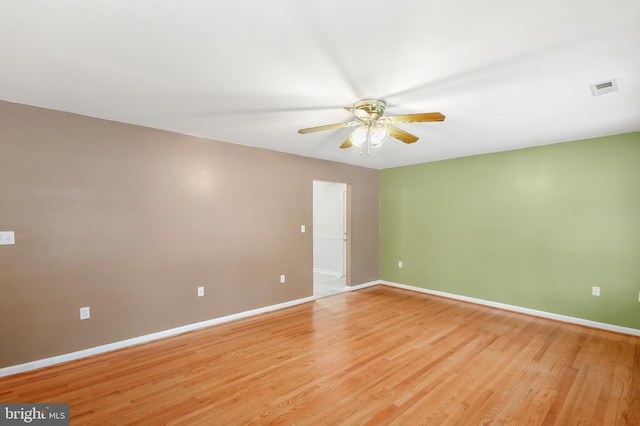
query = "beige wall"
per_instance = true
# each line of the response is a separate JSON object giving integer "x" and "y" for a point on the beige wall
{"x": 130, "y": 220}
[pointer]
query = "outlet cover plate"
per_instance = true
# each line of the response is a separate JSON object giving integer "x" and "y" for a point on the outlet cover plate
{"x": 85, "y": 313}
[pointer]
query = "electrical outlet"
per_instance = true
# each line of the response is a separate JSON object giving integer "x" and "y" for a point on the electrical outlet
{"x": 399, "y": 263}
{"x": 282, "y": 279}
{"x": 303, "y": 229}
{"x": 85, "y": 313}
{"x": 200, "y": 291}
{"x": 595, "y": 291}
{"x": 638, "y": 296}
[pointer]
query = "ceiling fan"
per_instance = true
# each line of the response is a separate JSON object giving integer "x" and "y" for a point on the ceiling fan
{"x": 373, "y": 128}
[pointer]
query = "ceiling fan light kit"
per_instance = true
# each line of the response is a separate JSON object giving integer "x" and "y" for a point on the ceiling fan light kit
{"x": 378, "y": 135}
{"x": 373, "y": 128}
{"x": 359, "y": 136}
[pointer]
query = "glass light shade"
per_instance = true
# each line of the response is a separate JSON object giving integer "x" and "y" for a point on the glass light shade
{"x": 378, "y": 137}
{"x": 359, "y": 136}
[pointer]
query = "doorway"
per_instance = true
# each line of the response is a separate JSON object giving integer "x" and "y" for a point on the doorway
{"x": 329, "y": 238}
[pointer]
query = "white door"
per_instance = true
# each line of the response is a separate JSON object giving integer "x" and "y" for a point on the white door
{"x": 344, "y": 230}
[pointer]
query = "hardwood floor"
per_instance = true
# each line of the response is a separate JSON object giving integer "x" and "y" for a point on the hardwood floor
{"x": 378, "y": 356}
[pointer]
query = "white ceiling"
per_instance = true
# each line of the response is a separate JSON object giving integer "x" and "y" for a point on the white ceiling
{"x": 507, "y": 74}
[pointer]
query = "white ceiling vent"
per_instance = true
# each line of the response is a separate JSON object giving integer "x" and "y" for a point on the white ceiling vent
{"x": 604, "y": 87}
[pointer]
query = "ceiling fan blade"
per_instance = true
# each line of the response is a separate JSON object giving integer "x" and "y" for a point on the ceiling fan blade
{"x": 347, "y": 143}
{"x": 329, "y": 127}
{"x": 359, "y": 113}
{"x": 401, "y": 135}
{"x": 407, "y": 118}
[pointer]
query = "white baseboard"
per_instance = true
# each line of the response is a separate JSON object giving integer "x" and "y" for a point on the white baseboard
{"x": 20, "y": 368}
{"x": 327, "y": 272}
{"x": 361, "y": 286}
{"x": 520, "y": 309}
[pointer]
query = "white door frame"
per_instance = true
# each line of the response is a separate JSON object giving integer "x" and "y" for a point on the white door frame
{"x": 343, "y": 235}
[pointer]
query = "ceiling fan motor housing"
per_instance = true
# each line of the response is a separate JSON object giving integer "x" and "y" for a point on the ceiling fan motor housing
{"x": 374, "y": 107}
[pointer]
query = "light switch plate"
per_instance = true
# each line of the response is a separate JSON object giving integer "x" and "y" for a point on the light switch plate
{"x": 7, "y": 238}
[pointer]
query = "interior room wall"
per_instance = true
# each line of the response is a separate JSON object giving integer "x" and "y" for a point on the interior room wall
{"x": 129, "y": 221}
{"x": 535, "y": 228}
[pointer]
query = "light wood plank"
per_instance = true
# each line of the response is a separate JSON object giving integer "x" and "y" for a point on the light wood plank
{"x": 380, "y": 355}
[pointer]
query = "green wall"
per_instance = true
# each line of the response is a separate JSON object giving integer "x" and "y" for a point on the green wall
{"x": 534, "y": 227}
